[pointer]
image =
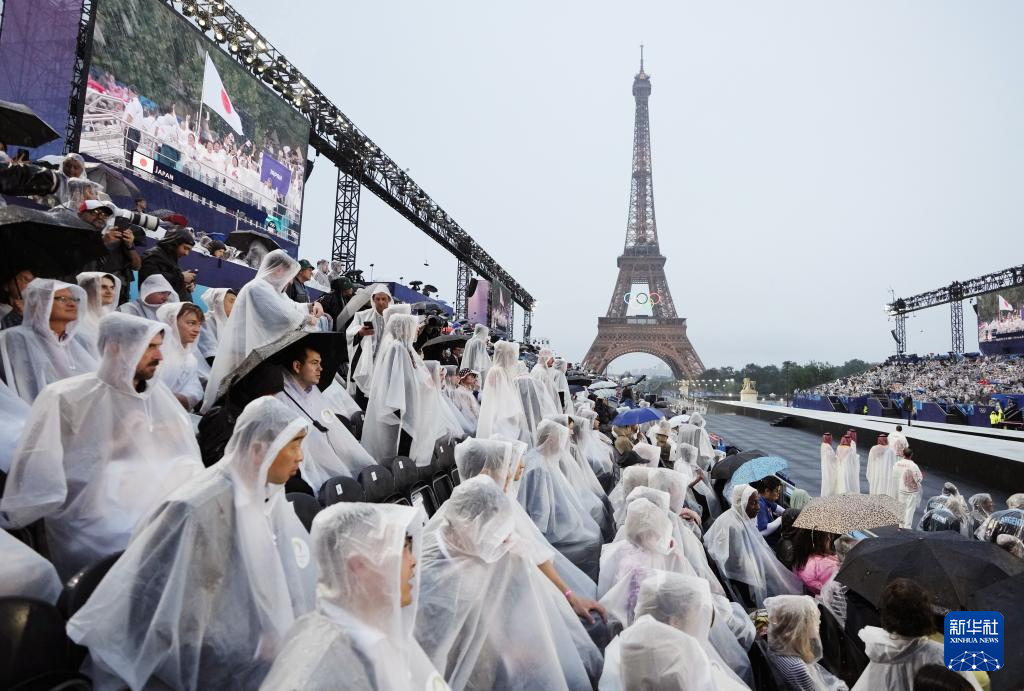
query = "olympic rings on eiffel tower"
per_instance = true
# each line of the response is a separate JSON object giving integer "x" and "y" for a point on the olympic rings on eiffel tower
{"x": 643, "y": 298}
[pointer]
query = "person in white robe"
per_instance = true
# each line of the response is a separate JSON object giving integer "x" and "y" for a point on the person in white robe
{"x": 501, "y": 409}
{"x": 361, "y": 633}
{"x": 544, "y": 372}
{"x": 101, "y": 293}
{"x": 363, "y": 337}
{"x": 153, "y": 292}
{"x": 47, "y": 346}
{"x": 898, "y": 441}
{"x": 562, "y": 385}
{"x": 743, "y": 556}
{"x": 475, "y": 356}
{"x": 220, "y": 302}
{"x": 214, "y": 577}
{"x": 489, "y": 619}
{"x": 101, "y": 450}
{"x": 847, "y": 467}
{"x": 261, "y": 314}
{"x": 180, "y": 369}
{"x": 833, "y": 478}
{"x": 331, "y": 450}
{"x": 907, "y": 481}
{"x": 881, "y": 459}
{"x": 794, "y": 643}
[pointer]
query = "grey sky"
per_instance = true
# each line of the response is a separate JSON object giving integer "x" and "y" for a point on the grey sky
{"x": 808, "y": 156}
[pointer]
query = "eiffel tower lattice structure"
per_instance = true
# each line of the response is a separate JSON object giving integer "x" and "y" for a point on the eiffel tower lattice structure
{"x": 641, "y": 316}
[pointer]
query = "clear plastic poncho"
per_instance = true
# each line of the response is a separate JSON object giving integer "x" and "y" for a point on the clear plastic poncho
{"x": 696, "y": 436}
{"x": 262, "y": 313}
{"x": 180, "y": 367}
{"x": 501, "y": 408}
{"x": 597, "y": 454}
{"x": 32, "y": 355}
{"x": 449, "y": 421}
{"x": 537, "y": 404}
{"x": 546, "y": 376}
{"x": 881, "y": 459}
{"x": 488, "y": 618}
{"x": 686, "y": 533}
{"x": 154, "y": 283}
{"x": 894, "y": 660}
{"x": 741, "y": 554}
{"x": 92, "y": 309}
{"x": 13, "y": 414}
{"x": 221, "y": 568}
{"x": 360, "y": 636}
{"x": 475, "y": 356}
{"x": 331, "y": 450}
{"x": 582, "y": 478}
{"x": 632, "y": 477}
{"x": 907, "y": 482}
{"x": 397, "y": 400}
{"x": 363, "y": 355}
{"x": 213, "y": 325}
{"x": 687, "y": 465}
{"x": 26, "y": 573}
{"x": 97, "y": 456}
{"x": 562, "y": 385}
{"x": 794, "y": 633}
{"x": 554, "y": 505}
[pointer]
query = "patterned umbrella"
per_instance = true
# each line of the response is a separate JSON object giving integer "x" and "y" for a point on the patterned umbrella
{"x": 842, "y": 513}
{"x": 759, "y": 468}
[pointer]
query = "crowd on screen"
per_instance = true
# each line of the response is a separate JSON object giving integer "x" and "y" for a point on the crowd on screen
{"x": 508, "y": 534}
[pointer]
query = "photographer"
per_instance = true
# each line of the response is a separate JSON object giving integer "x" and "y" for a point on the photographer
{"x": 122, "y": 257}
{"x": 163, "y": 260}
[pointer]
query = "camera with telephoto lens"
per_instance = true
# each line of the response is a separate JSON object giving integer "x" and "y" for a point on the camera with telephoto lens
{"x": 136, "y": 219}
{"x": 27, "y": 180}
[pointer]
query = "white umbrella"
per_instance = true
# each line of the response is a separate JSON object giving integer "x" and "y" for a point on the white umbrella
{"x": 603, "y": 385}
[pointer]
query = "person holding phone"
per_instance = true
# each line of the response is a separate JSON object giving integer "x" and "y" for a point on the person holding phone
{"x": 364, "y": 335}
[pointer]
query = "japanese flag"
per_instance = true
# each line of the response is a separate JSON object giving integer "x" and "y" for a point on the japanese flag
{"x": 1004, "y": 306}
{"x": 216, "y": 98}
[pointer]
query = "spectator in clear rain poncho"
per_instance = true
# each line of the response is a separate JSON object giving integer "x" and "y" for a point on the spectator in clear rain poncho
{"x": 331, "y": 450}
{"x": 907, "y": 481}
{"x": 449, "y": 421}
{"x": 544, "y": 372}
{"x": 101, "y": 293}
{"x": 26, "y": 573}
{"x": 562, "y": 390}
{"x": 794, "y": 644}
{"x": 981, "y": 507}
{"x": 475, "y": 356}
{"x": 261, "y": 314}
{"x": 743, "y": 556}
{"x": 13, "y": 414}
{"x": 364, "y": 336}
{"x": 100, "y": 451}
{"x": 361, "y": 634}
{"x": 536, "y": 403}
{"x": 833, "y": 593}
{"x": 694, "y": 434}
{"x": 181, "y": 370}
{"x": 582, "y": 478}
{"x": 214, "y": 577}
{"x": 554, "y": 505}
{"x": 463, "y": 395}
{"x": 702, "y": 493}
{"x": 685, "y": 522}
{"x": 489, "y": 619}
{"x": 881, "y": 459}
{"x": 153, "y": 292}
{"x": 47, "y": 346}
{"x": 501, "y": 408}
{"x": 220, "y": 302}
{"x": 449, "y": 378}
{"x": 597, "y": 452}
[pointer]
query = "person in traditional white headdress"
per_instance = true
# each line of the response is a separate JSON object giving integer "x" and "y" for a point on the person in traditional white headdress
{"x": 47, "y": 346}
{"x": 475, "y": 356}
{"x": 367, "y": 595}
{"x": 153, "y": 292}
{"x": 794, "y": 643}
{"x": 180, "y": 369}
{"x": 489, "y": 619}
{"x": 849, "y": 464}
{"x": 833, "y": 478}
{"x": 220, "y": 301}
{"x": 501, "y": 408}
{"x": 544, "y": 372}
{"x": 331, "y": 450}
{"x": 101, "y": 293}
{"x": 261, "y": 314}
{"x": 214, "y": 577}
{"x": 881, "y": 459}
{"x": 743, "y": 556}
{"x": 364, "y": 336}
{"x": 100, "y": 451}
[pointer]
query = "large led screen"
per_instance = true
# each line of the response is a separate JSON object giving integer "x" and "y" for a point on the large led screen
{"x": 1001, "y": 321}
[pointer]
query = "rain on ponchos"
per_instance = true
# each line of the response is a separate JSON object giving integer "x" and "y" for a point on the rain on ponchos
{"x": 881, "y": 459}
{"x": 363, "y": 355}
{"x": 546, "y": 376}
{"x": 537, "y": 404}
{"x": 562, "y": 391}
{"x": 467, "y": 404}
{"x": 262, "y": 313}
{"x": 686, "y": 533}
{"x": 488, "y": 618}
{"x": 180, "y": 369}
{"x": 25, "y": 573}
{"x": 212, "y": 579}
{"x": 139, "y": 307}
{"x": 475, "y": 356}
{"x": 582, "y": 478}
{"x": 447, "y": 420}
{"x": 794, "y": 643}
{"x": 13, "y": 414}
{"x": 92, "y": 309}
{"x": 96, "y": 455}
{"x": 907, "y": 484}
{"x": 894, "y": 660}
{"x": 331, "y": 450}
{"x": 216, "y": 320}
{"x": 693, "y": 433}
{"x": 554, "y": 505}
{"x": 501, "y": 408}
{"x": 31, "y": 354}
{"x": 741, "y": 554}
{"x": 360, "y": 636}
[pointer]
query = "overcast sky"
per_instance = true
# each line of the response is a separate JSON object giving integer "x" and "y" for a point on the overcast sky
{"x": 808, "y": 156}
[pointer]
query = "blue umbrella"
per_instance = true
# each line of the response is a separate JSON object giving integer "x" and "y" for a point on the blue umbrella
{"x": 757, "y": 469}
{"x": 637, "y": 416}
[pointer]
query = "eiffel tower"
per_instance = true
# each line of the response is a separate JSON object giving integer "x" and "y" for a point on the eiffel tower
{"x": 641, "y": 315}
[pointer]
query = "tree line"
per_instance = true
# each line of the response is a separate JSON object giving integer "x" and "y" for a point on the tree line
{"x": 779, "y": 380}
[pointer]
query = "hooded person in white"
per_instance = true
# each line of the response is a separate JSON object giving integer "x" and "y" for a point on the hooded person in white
{"x": 216, "y": 319}
{"x": 588, "y": 439}
{"x": 580, "y": 475}
{"x": 686, "y": 532}
{"x": 101, "y": 450}
{"x": 262, "y": 313}
{"x": 99, "y": 301}
{"x": 448, "y": 421}
{"x": 13, "y": 414}
{"x": 907, "y": 482}
{"x": 695, "y": 435}
{"x": 32, "y": 354}
{"x": 331, "y": 450}
{"x": 742, "y": 555}
{"x": 687, "y": 465}
{"x": 180, "y": 369}
{"x": 833, "y": 479}
{"x": 364, "y": 343}
{"x": 475, "y": 356}
{"x": 537, "y": 405}
{"x": 397, "y": 401}
{"x": 794, "y": 643}
{"x": 848, "y": 465}
{"x": 361, "y": 634}
{"x": 214, "y": 577}
{"x": 881, "y": 459}
{"x": 501, "y": 408}
{"x": 632, "y": 477}
{"x": 544, "y": 372}
{"x": 488, "y": 617}
{"x": 154, "y": 291}
{"x": 554, "y": 505}
{"x": 562, "y": 385}
{"x": 465, "y": 401}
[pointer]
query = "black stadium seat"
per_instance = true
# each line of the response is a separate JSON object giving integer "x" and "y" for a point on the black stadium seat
{"x": 33, "y": 644}
{"x": 80, "y": 586}
{"x": 340, "y": 488}
{"x": 405, "y": 474}
{"x": 306, "y": 507}
{"x": 378, "y": 484}
{"x": 354, "y": 424}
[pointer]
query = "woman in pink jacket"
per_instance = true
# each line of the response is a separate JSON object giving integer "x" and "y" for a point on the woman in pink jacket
{"x": 814, "y": 559}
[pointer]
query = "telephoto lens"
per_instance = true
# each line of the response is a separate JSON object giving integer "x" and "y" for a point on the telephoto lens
{"x": 143, "y": 220}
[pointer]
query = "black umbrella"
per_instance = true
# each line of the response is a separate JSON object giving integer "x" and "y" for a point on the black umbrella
{"x": 579, "y": 380}
{"x": 114, "y": 183}
{"x": 449, "y": 341}
{"x": 329, "y": 344}
{"x": 950, "y": 568}
{"x": 1007, "y": 598}
{"x": 19, "y": 125}
{"x": 51, "y": 243}
{"x": 242, "y": 239}
{"x": 725, "y": 468}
